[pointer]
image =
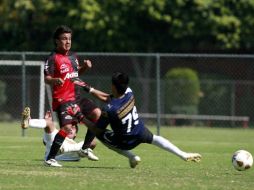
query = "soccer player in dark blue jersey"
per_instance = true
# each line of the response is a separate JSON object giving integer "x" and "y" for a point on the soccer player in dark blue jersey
{"x": 128, "y": 130}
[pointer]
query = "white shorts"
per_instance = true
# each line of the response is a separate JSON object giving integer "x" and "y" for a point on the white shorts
{"x": 68, "y": 150}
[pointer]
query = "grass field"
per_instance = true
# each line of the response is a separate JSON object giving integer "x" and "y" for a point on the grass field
{"x": 21, "y": 163}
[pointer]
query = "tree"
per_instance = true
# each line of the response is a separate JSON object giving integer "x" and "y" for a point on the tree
{"x": 130, "y": 26}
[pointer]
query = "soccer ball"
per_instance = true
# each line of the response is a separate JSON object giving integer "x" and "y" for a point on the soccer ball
{"x": 242, "y": 160}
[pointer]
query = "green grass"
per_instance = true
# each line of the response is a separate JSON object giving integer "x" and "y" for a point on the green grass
{"x": 21, "y": 163}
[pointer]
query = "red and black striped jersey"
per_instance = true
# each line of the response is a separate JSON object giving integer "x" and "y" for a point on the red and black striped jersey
{"x": 65, "y": 67}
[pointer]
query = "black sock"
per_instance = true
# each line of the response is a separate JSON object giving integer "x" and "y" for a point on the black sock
{"x": 57, "y": 143}
{"x": 88, "y": 139}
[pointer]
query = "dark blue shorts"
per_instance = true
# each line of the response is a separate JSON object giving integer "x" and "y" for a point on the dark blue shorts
{"x": 111, "y": 140}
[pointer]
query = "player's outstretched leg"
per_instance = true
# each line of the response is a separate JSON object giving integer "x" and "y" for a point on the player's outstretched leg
{"x": 168, "y": 146}
{"x": 25, "y": 118}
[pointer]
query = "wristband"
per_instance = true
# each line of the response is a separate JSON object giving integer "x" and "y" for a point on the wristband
{"x": 86, "y": 88}
{"x": 91, "y": 90}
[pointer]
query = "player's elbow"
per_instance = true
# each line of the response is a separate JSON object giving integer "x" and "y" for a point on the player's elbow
{"x": 48, "y": 80}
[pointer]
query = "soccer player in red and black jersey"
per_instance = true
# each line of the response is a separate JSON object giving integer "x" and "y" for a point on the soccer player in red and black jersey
{"x": 61, "y": 67}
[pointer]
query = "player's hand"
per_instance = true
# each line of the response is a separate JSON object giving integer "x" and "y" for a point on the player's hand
{"x": 48, "y": 115}
{"x": 87, "y": 64}
{"x": 58, "y": 81}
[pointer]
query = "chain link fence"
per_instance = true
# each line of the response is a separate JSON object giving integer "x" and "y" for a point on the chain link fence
{"x": 225, "y": 96}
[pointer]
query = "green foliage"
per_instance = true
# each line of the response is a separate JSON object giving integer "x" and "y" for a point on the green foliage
{"x": 182, "y": 92}
{"x": 217, "y": 96}
{"x": 130, "y": 26}
{"x": 21, "y": 163}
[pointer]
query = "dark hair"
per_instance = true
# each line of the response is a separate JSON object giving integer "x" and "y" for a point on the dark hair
{"x": 60, "y": 30}
{"x": 120, "y": 81}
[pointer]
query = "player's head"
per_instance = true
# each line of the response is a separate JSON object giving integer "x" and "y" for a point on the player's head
{"x": 62, "y": 38}
{"x": 72, "y": 133}
{"x": 120, "y": 82}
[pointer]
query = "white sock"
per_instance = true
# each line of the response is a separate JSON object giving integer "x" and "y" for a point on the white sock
{"x": 70, "y": 146}
{"x": 37, "y": 123}
{"x": 163, "y": 143}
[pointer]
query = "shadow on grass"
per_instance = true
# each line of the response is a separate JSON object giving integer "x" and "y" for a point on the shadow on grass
{"x": 81, "y": 167}
{"x": 66, "y": 164}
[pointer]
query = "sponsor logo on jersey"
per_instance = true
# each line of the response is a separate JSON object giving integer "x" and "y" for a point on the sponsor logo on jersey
{"x": 71, "y": 75}
{"x": 63, "y": 66}
{"x": 65, "y": 70}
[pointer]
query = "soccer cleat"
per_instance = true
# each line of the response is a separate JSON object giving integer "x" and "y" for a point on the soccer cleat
{"x": 134, "y": 161}
{"x": 88, "y": 153}
{"x": 195, "y": 157}
{"x": 52, "y": 163}
{"x": 25, "y": 118}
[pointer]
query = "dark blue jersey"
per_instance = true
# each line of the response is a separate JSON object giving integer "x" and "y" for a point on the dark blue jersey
{"x": 121, "y": 114}
{"x": 127, "y": 129}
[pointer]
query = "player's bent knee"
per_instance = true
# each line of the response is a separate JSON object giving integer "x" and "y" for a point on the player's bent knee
{"x": 95, "y": 114}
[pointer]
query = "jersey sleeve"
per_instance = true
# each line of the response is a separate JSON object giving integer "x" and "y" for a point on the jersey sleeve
{"x": 75, "y": 59}
{"x": 49, "y": 66}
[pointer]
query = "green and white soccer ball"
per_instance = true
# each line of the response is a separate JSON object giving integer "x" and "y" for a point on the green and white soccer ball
{"x": 242, "y": 160}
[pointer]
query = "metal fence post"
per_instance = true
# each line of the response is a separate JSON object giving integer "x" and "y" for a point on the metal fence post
{"x": 233, "y": 101}
{"x": 23, "y": 84}
{"x": 158, "y": 93}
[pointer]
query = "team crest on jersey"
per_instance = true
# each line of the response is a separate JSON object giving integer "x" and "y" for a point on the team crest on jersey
{"x": 63, "y": 66}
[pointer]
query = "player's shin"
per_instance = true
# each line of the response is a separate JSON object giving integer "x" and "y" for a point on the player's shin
{"x": 57, "y": 143}
{"x": 88, "y": 139}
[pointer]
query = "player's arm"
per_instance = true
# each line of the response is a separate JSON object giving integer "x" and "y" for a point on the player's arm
{"x": 87, "y": 64}
{"x": 100, "y": 95}
{"x": 48, "y": 73}
{"x": 53, "y": 81}
{"x": 86, "y": 87}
